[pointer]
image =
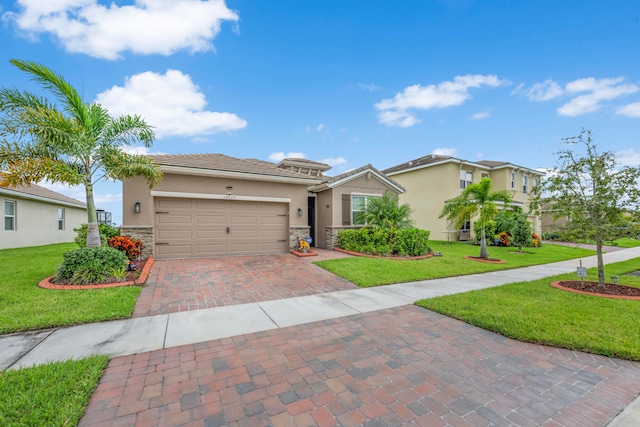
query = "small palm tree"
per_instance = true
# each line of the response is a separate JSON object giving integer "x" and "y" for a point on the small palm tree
{"x": 476, "y": 199}
{"x": 74, "y": 143}
{"x": 385, "y": 212}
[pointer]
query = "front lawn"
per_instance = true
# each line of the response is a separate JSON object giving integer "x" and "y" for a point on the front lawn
{"x": 54, "y": 394}
{"x": 24, "y": 306}
{"x": 366, "y": 272}
{"x": 537, "y": 313}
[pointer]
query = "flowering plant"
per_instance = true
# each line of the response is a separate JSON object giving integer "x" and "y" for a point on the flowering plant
{"x": 504, "y": 239}
{"x": 303, "y": 245}
{"x": 131, "y": 247}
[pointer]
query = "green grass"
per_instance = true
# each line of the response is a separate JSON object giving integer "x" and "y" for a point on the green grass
{"x": 54, "y": 394}
{"x": 24, "y": 306}
{"x": 366, "y": 272}
{"x": 537, "y": 313}
{"x": 625, "y": 242}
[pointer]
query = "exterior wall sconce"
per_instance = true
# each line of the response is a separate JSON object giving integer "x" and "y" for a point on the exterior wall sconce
{"x": 136, "y": 207}
{"x": 299, "y": 211}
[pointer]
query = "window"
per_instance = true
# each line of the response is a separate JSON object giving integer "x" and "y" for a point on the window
{"x": 9, "y": 215}
{"x": 466, "y": 226}
{"x": 358, "y": 206}
{"x": 513, "y": 180}
{"x": 466, "y": 178}
{"x": 536, "y": 182}
{"x": 525, "y": 184}
{"x": 60, "y": 218}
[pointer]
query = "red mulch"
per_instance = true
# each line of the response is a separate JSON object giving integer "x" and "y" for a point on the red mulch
{"x": 607, "y": 289}
{"x": 487, "y": 260}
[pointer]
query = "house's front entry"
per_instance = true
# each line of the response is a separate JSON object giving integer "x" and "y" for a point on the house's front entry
{"x": 311, "y": 213}
{"x": 187, "y": 228}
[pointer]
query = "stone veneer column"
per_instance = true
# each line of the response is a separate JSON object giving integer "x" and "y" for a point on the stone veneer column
{"x": 143, "y": 233}
{"x": 297, "y": 233}
{"x": 332, "y": 234}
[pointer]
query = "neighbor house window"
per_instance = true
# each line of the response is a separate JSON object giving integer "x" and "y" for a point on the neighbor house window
{"x": 60, "y": 218}
{"x": 9, "y": 215}
{"x": 513, "y": 180}
{"x": 358, "y": 206}
{"x": 525, "y": 184}
{"x": 466, "y": 226}
{"x": 466, "y": 178}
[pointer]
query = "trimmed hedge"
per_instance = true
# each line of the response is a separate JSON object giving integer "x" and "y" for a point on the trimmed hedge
{"x": 91, "y": 265}
{"x": 385, "y": 241}
{"x": 106, "y": 233}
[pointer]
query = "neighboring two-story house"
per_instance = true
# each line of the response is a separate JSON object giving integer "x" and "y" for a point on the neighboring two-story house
{"x": 433, "y": 179}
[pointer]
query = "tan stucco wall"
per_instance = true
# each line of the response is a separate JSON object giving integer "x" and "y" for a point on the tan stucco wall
{"x": 332, "y": 216}
{"x": 429, "y": 188}
{"x": 37, "y": 223}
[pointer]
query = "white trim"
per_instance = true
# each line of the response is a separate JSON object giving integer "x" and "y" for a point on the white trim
{"x": 381, "y": 178}
{"x": 18, "y": 194}
{"x": 220, "y": 197}
{"x": 181, "y": 170}
{"x": 353, "y": 193}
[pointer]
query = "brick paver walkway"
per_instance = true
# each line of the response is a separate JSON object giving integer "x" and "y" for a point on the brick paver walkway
{"x": 193, "y": 284}
{"x": 402, "y": 366}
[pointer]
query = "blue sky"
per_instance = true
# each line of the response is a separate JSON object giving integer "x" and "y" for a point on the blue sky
{"x": 344, "y": 82}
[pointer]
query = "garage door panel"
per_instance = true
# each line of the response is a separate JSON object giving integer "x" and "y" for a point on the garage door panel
{"x": 198, "y": 228}
{"x": 211, "y": 219}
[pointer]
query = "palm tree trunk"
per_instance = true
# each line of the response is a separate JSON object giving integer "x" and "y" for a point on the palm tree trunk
{"x": 483, "y": 245}
{"x": 93, "y": 232}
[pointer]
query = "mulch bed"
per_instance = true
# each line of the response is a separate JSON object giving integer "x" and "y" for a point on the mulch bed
{"x": 138, "y": 277}
{"x": 609, "y": 290}
{"x": 385, "y": 257}
{"x": 487, "y": 260}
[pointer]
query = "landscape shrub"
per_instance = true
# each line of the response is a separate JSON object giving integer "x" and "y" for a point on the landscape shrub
{"x": 552, "y": 235}
{"x": 90, "y": 265}
{"x": 385, "y": 241}
{"x": 131, "y": 247}
{"x": 106, "y": 233}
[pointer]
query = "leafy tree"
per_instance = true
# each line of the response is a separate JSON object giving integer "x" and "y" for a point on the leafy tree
{"x": 385, "y": 212}
{"x": 71, "y": 143}
{"x": 521, "y": 232}
{"x": 476, "y": 200}
{"x": 593, "y": 191}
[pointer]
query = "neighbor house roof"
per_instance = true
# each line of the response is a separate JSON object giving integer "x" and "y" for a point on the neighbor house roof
{"x": 36, "y": 192}
{"x": 232, "y": 167}
{"x": 331, "y": 182}
{"x": 436, "y": 159}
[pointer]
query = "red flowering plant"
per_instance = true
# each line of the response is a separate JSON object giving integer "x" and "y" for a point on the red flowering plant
{"x": 504, "y": 239}
{"x": 131, "y": 247}
{"x": 535, "y": 240}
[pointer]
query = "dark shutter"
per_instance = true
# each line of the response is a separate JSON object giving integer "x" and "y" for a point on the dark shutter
{"x": 346, "y": 209}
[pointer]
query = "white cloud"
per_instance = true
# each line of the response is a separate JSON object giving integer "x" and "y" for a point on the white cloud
{"x": 480, "y": 115}
{"x": 144, "y": 27}
{"x": 543, "y": 91}
{"x": 630, "y": 110}
{"x": 319, "y": 127}
{"x": 170, "y": 102}
{"x": 395, "y": 111}
{"x": 445, "y": 151}
{"x": 334, "y": 161}
{"x": 600, "y": 90}
{"x": 368, "y": 87}
{"x": 628, "y": 157}
{"x": 280, "y": 155}
{"x": 74, "y": 191}
{"x": 107, "y": 198}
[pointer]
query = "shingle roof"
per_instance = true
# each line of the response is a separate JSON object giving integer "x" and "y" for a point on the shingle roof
{"x": 41, "y": 192}
{"x": 492, "y": 163}
{"x": 331, "y": 180}
{"x": 224, "y": 163}
{"x": 425, "y": 160}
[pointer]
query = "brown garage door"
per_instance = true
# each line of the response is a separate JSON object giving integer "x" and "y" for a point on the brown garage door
{"x": 187, "y": 228}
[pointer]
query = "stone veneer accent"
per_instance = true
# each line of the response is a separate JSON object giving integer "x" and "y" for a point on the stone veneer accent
{"x": 297, "y": 233}
{"x": 332, "y": 234}
{"x": 143, "y": 233}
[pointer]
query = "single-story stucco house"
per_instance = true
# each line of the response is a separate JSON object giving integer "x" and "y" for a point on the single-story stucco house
{"x": 34, "y": 216}
{"x": 212, "y": 204}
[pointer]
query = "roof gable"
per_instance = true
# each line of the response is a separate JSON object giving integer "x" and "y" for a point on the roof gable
{"x": 436, "y": 159}
{"x": 354, "y": 174}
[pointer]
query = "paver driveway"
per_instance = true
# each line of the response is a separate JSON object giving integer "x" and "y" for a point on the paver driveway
{"x": 192, "y": 284}
{"x": 402, "y": 366}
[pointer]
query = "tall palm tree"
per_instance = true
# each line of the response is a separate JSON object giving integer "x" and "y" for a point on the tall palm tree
{"x": 72, "y": 143}
{"x": 476, "y": 199}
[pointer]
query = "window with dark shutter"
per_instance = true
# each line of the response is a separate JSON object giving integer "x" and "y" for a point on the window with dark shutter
{"x": 346, "y": 209}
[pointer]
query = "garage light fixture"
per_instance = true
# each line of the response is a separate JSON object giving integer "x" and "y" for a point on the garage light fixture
{"x": 299, "y": 211}
{"x": 136, "y": 207}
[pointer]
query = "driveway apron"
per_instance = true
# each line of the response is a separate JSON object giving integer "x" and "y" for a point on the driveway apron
{"x": 393, "y": 367}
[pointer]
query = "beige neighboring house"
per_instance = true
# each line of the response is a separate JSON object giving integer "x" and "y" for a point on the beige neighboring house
{"x": 340, "y": 199}
{"x": 35, "y": 216}
{"x": 433, "y": 179}
{"x": 211, "y": 204}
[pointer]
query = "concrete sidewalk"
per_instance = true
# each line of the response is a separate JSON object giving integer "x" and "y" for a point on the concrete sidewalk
{"x": 137, "y": 335}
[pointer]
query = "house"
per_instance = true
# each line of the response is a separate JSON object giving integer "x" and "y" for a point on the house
{"x": 34, "y": 216}
{"x": 212, "y": 204}
{"x": 433, "y": 179}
